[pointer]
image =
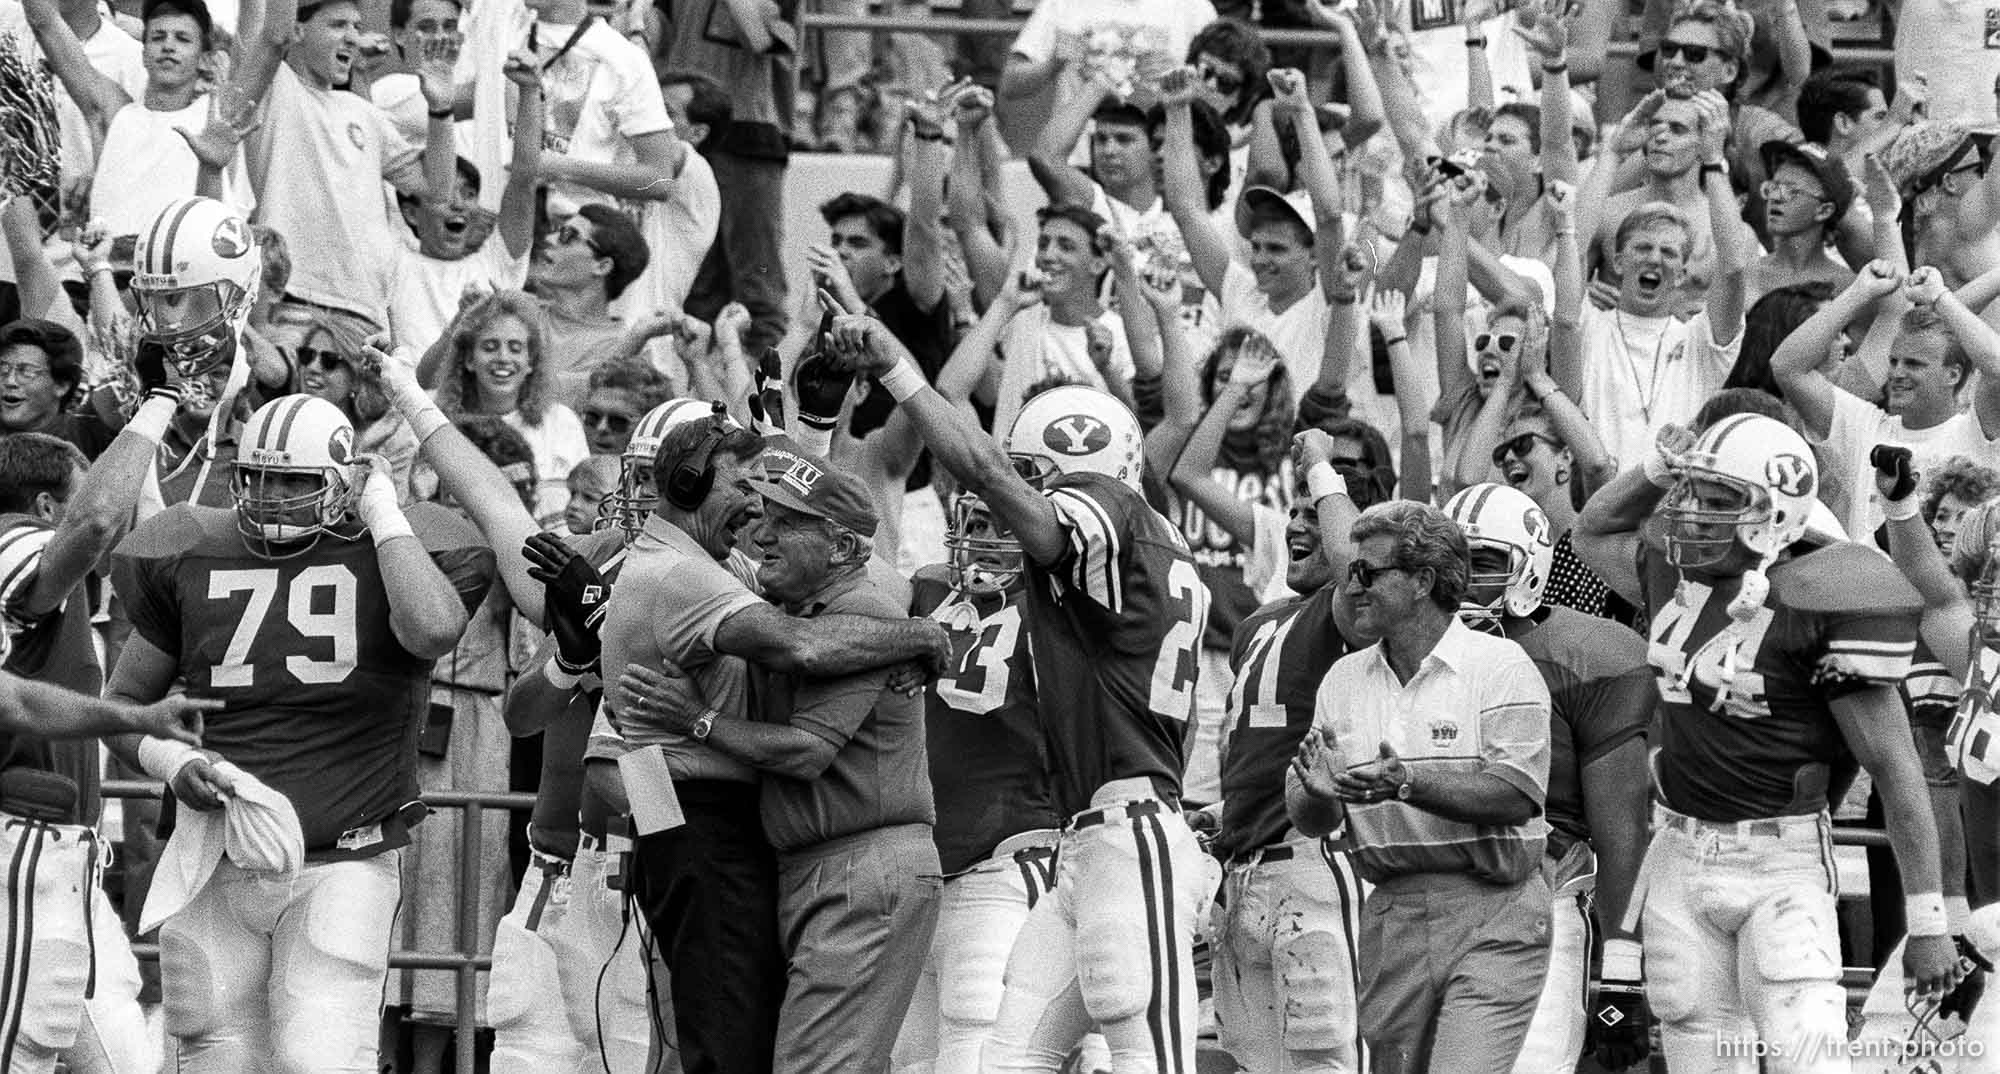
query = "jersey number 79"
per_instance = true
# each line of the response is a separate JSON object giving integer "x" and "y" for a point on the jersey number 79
{"x": 318, "y": 602}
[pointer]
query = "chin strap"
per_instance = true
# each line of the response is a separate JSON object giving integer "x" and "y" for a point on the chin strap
{"x": 1743, "y": 609}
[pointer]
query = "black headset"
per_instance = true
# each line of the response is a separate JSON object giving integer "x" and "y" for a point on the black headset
{"x": 694, "y": 475}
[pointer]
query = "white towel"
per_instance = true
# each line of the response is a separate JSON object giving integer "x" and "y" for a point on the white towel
{"x": 257, "y": 828}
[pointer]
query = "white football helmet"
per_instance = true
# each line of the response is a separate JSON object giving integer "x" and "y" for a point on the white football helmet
{"x": 633, "y": 500}
{"x": 1504, "y": 517}
{"x": 294, "y": 436}
{"x": 1750, "y": 480}
{"x": 1076, "y": 430}
{"x": 196, "y": 271}
{"x": 983, "y": 555}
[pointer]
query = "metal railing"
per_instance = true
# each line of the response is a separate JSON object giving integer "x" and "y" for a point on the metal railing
{"x": 952, "y": 25}
{"x": 466, "y": 961}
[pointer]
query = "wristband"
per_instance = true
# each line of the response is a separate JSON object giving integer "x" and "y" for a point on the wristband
{"x": 1475, "y": 42}
{"x": 105, "y": 269}
{"x": 926, "y": 136}
{"x": 163, "y": 758}
{"x": 1957, "y": 913}
{"x": 441, "y": 113}
{"x": 380, "y": 512}
{"x": 903, "y": 381}
{"x": 1392, "y": 342}
{"x": 1555, "y": 68}
{"x": 1322, "y": 480}
{"x": 1624, "y": 960}
{"x": 152, "y": 417}
{"x": 1925, "y": 914}
{"x": 558, "y": 678}
{"x": 1901, "y": 510}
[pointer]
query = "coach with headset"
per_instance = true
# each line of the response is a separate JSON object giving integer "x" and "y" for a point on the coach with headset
{"x": 683, "y": 606}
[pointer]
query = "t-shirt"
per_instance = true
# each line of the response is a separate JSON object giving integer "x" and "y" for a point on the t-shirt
{"x": 558, "y": 444}
{"x": 702, "y": 36}
{"x": 1643, "y": 373}
{"x": 1437, "y": 57}
{"x": 678, "y": 233}
{"x": 1299, "y": 333}
{"x": 1130, "y": 41}
{"x": 597, "y": 96}
{"x": 1858, "y": 425}
{"x": 671, "y": 598}
{"x": 317, "y": 163}
{"x": 576, "y": 349}
{"x": 425, "y": 292}
{"x": 1954, "y": 44}
{"x": 146, "y": 165}
{"x": 1158, "y": 241}
{"x": 1039, "y": 352}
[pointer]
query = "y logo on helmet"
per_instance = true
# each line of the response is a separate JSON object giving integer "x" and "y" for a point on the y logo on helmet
{"x": 229, "y": 239}
{"x": 1076, "y": 434}
{"x": 340, "y": 445}
{"x": 1789, "y": 474}
{"x": 1537, "y": 525}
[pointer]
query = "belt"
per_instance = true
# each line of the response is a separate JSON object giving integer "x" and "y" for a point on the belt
{"x": 1148, "y": 807}
{"x": 1807, "y": 824}
{"x": 549, "y": 864}
{"x": 611, "y": 844}
{"x": 1262, "y": 856}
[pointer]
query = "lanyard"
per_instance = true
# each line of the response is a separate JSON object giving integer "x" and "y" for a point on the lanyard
{"x": 574, "y": 36}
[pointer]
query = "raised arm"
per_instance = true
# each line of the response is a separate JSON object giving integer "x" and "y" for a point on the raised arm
{"x": 1566, "y": 319}
{"x": 1365, "y": 114}
{"x": 1735, "y": 245}
{"x": 1590, "y": 39}
{"x": 99, "y": 96}
{"x": 1607, "y": 530}
{"x": 1594, "y": 464}
{"x": 1077, "y": 99}
{"x": 1415, "y": 477}
{"x": 986, "y": 260}
{"x": 1316, "y": 171}
{"x": 37, "y": 287}
{"x": 1448, "y": 294}
{"x": 266, "y": 31}
{"x": 1549, "y": 40}
{"x": 954, "y": 438}
{"x": 517, "y": 202}
{"x": 1795, "y": 364}
{"x": 1192, "y": 476}
{"x": 1925, "y": 287}
{"x": 1206, "y": 243}
{"x": 926, "y": 158}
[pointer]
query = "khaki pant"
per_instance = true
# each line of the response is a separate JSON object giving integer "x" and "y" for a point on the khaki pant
{"x": 1451, "y": 971}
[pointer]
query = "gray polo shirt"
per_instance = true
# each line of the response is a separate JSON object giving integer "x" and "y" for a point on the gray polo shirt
{"x": 880, "y": 774}
{"x": 670, "y": 598}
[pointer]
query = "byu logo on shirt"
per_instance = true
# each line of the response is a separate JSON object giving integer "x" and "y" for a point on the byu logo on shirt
{"x": 1077, "y": 434}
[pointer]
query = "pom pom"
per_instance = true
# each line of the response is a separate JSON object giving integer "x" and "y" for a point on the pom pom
{"x": 30, "y": 139}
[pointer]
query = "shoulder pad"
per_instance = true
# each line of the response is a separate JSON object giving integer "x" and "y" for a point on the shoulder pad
{"x": 1843, "y": 577}
{"x": 175, "y": 530}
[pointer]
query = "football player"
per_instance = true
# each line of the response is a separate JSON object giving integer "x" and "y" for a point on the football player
{"x": 1774, "y": 660}
{"x": 1601, "y": 696}
{"x": 313, "y": 610}
{"x": 1114, "y": 611}
{"x": 197, "y": 271}
{"x": 1961, "y": 625}
{"x": 997, "y": 822}
{"x": 1288, "y": 922}
{"x": 59, "y": 516}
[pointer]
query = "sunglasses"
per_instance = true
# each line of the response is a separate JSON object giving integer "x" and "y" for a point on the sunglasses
{"x": 1778, "y": 190}
{"x": 1363, "y": 573}
{"x": 618, "y": 424}
{"x": 1519, "y": 447}
{"x": 1694, "y": 53}
{"x": 568, "y": 234}
{"x": 324, "y": 361}
{"x": 1504, "y": 342}
{"x": 1224, "y": 82}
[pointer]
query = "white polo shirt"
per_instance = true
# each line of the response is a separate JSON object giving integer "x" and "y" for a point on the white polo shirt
{"x": 1477, "y": 704}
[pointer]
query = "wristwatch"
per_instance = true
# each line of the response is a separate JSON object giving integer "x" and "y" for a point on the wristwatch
{"x": 1408, "y": 786}
{"x": 703, "y": 724}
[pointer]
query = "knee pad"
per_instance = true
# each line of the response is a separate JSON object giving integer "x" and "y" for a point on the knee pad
{"x": 969, "y": 998}
{"x": 1673, "y": 984}
{"x": 1794, "y": 938}
{"x": 191, "y": 991}
{"x": 1318, "y": 991}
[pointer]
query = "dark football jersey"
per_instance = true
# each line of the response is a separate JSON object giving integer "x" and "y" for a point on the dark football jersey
{"x": 321, "y": 701}
{"x": 1221, "y": 557}
{"x": 56, "y": 648}
{"x": 1281, "y": 653}
{"x": 1116, "y": 625}
{"x": 983, "y": 732}
{"x": 1601, "y": 696}
{"x": 559, "y": 797}
{"x": 1766, "y": 745}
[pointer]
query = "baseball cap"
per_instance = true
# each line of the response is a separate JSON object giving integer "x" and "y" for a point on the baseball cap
{"x": 1827, "y": 168}
{"x": 810, "y": 485}
{"x": 1924, "y": 152}
{"x": 1260, "y": 199}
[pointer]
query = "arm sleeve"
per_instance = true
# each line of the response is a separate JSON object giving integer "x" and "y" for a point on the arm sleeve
{"x": 1865, "y": 648}
{"x": 834, "y": 709}
{"x": 144, "y": 584}
{"x": 1514, "y": 726}
{"x": 702, "y": 596}
{"x": 1094, "y": 556}
{"x": 1613, "y": 704}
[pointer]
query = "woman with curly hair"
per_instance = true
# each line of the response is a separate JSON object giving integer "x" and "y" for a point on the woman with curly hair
{"x": 1959, "y": 486}
{"x": 498, "y": 348}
